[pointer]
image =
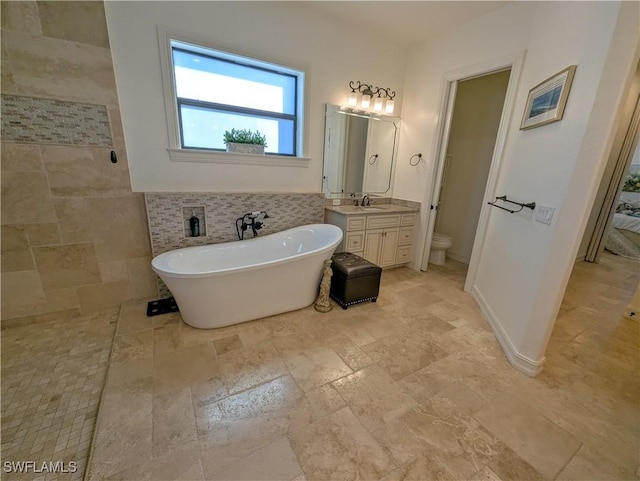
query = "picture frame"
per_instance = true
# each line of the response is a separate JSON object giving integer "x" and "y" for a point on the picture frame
{"x": 547, "y": 100}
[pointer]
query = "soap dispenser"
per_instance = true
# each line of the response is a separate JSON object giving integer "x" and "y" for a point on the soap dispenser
{"x": 194, "y": 225}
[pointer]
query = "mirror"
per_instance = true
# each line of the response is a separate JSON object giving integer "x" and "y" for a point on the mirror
{"x": 359, "y": 152}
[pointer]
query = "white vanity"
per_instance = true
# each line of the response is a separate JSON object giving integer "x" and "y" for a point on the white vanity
{"x": 382, "y": 234}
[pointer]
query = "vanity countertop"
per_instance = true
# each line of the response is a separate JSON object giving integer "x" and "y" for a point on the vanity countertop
{"x": 373, "y": 209}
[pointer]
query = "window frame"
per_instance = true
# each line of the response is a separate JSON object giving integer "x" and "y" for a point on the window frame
{"x": 172, "y": 110}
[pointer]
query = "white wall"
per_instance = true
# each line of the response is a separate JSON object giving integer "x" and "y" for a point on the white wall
{"x": 525, "y": 265}
{"x": 500, "y": 33}
{"x": 283, "y": 32}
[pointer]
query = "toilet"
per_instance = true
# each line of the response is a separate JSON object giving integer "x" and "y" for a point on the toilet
{"x": 439, "y": 244}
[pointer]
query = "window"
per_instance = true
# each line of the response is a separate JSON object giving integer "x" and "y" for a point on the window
{"x": 216, "y": 91}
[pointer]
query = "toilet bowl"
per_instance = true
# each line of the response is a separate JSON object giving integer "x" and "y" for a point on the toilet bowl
{"x": 439, "y": 244}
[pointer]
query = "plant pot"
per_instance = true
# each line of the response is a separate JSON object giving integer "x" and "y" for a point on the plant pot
{"x": 254, "y": 149}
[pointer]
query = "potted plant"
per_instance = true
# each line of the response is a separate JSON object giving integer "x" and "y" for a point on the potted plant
{"x": 245, "y": 141}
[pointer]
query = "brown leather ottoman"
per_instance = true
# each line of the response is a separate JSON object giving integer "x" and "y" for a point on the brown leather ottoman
{"x": 354, "y": 279}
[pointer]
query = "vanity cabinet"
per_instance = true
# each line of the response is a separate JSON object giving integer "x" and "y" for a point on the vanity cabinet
{"x": 386, "y": 239}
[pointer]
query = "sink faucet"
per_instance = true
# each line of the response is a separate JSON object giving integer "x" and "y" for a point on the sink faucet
{"x": 368, "y": 200}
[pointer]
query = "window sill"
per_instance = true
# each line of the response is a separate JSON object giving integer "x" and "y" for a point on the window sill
{"x": 209, "y": 157}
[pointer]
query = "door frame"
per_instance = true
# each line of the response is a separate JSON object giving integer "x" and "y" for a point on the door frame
{"x": 605, "y": 216}
{"x": 450, "y": 79}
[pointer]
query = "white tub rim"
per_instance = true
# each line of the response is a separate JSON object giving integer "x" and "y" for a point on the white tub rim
{"x": 163, "y": 270}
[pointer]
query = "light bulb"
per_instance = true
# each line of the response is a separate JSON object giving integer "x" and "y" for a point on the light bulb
{"x": 353, "y": 99}
{"x": 366, "y": 101}
{"x": 377, "y": 104}
{"x": 389, "y": 107}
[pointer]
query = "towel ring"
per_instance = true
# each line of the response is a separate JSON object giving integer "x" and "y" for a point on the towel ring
{"x": 374, "y": 157}
{"x": 419, "y": 155}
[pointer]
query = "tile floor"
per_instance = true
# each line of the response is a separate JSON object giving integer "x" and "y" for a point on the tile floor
{"x": 53, "y": 374}
{"x": 414, "y": 387}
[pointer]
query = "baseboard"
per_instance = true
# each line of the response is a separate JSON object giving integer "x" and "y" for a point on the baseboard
{"x": 520, "y": 362}
{"x": 458, "y": 258}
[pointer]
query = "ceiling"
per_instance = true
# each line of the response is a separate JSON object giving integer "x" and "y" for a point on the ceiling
{"x": 405, "y": 23}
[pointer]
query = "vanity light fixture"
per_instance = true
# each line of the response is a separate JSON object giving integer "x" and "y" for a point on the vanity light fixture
{"x": 383, "y": 100}
{"x": 377, "y": 103}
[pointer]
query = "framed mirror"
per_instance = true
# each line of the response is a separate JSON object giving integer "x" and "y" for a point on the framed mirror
{"x": 359, "y": 152}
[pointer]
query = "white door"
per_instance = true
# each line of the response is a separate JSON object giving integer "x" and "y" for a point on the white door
{"x": 389, "y": 247}
{"x": 442, "y": 154}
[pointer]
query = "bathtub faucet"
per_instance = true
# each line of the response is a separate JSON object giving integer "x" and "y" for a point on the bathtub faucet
{"x": 250, "y": 219}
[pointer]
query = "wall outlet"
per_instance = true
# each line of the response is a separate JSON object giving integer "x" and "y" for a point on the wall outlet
{"x": 336, "y": 201}
{"x": 543, "y": 214}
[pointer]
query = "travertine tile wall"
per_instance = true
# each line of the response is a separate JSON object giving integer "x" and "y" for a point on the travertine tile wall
{"x": 74, "y": 235}
{"x": 169, "y": 215}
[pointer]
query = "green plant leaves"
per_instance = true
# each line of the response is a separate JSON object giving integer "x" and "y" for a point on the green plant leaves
{"x": 244, "y": 136}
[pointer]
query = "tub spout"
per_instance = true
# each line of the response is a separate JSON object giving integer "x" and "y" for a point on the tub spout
{"x": 250, "y": 219}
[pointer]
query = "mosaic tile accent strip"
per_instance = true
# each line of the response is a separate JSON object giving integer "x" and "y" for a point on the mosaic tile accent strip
{"x": 167, "y": 220}
{"x": 51, "y": 391}
{"x": 46, "y": 121}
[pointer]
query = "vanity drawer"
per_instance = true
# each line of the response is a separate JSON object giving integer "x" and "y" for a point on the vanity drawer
{"x": 354, "y": 242}
{"x": 405, "y": 237}
{"x": 356, "y": 223}
{"x": 403, "y": 254}
{"x": 381, "y": 221}
{"x": 408, "y": 219}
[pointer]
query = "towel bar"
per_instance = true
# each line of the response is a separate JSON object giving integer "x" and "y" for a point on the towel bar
{"x": 503, "y": 198}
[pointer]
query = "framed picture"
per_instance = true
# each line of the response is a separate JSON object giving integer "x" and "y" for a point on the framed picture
{"x": 547, "y": 100}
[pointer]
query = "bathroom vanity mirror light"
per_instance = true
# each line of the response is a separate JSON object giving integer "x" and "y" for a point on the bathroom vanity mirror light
{"x": 359, "y": 152}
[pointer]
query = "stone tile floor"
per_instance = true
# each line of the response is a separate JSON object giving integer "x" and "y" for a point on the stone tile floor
{"x": 412, "y": 387}
{"x": 53, "y": 374}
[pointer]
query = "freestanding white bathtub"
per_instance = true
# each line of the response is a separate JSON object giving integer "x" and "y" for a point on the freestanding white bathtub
{"x": 222, "y": 284}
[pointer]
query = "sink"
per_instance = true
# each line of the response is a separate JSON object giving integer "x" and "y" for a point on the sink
{"x": 371, "y": 209}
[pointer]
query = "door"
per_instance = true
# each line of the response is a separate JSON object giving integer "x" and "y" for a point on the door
{"x": 373, "y": 245}
{"x": 381, "y": 245}
{"x": 389, "y": 247}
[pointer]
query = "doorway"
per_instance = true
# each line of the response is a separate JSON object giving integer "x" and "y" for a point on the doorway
{"x": 617, "y": 227}
{"x": 475, "y": 120}
{"x": 511, "y": 67}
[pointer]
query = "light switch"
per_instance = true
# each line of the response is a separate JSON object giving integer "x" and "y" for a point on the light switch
{"x": 544, "y": 214}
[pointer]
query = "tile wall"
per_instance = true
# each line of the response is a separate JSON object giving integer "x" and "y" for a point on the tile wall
{"x": 169, "y": 214}
{"x": 74, "y": 235}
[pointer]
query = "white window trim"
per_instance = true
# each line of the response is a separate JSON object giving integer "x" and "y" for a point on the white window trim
{"x": 175, "y": 150}
{"x": 207, "y": 156}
